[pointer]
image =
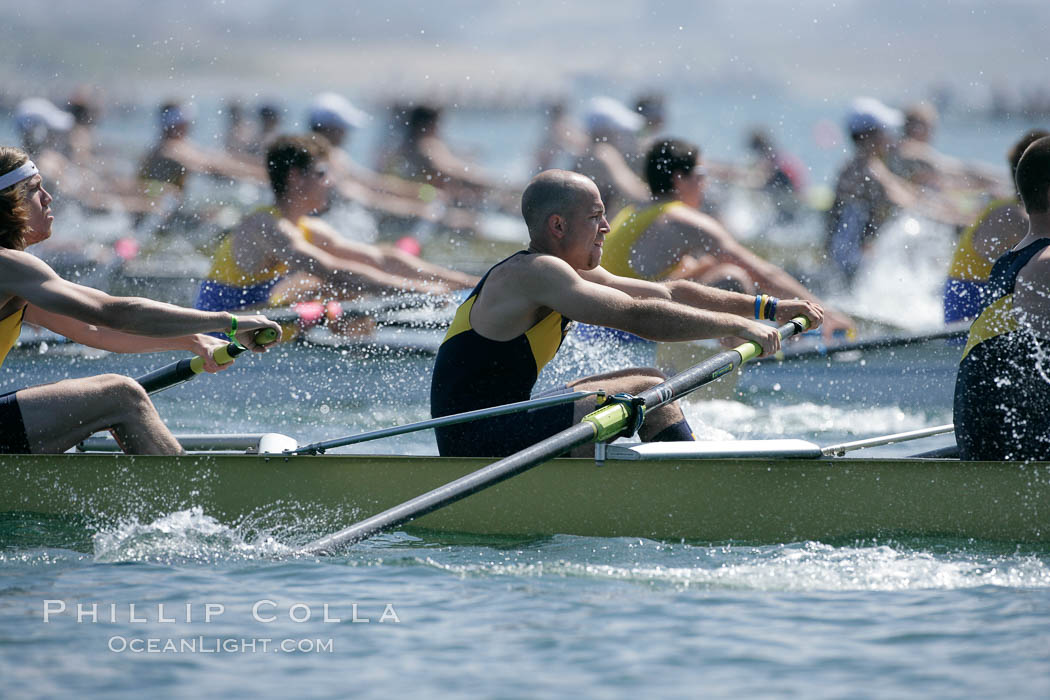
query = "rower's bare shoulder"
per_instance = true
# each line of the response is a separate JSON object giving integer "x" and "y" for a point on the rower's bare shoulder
{"x": 1041, "y": 259}
{"x": 1000, "y": 230}
{"x": 543, "y": 267}
{"x": 533, "y": 272}
{"x": 1037, "y": 272}
{"x": 1032, "y": 291}
{"x": 257, "y": 221}
{"x": 694, "y": 222}
{"x": 13, "y": 262}
{"x": 252, "y": 230}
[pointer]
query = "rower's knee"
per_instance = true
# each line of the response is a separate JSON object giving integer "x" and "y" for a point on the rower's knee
{"x": 643, "y": 378}
{"x": 123, "y": 392}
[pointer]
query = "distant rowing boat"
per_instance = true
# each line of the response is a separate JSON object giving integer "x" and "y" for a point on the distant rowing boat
{"x": 749, "y": 493}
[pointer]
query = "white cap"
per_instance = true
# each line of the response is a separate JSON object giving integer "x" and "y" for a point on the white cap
{"x": 868, "y": 114}
{"x": 331, "y": 109}
{"x": 607, "y": 114}
{"x": 34, "y": 112}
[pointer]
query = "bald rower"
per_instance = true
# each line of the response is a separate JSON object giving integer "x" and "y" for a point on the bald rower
{"x": 515, "y": 319}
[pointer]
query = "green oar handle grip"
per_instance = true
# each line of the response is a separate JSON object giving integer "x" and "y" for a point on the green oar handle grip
{"x": 265, "y": 336}
{"x": 188, "y": 368}
{"x": 608, "y": 421}
{"x": 228, "y": 352}
{"x": 750, "y": 350}
{"x": 222, "y": 356}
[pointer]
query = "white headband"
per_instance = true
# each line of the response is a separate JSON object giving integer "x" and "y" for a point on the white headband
{"x": 22, "y": 172}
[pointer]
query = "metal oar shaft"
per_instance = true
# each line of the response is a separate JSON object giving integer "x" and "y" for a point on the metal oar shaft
{"x": 699, "y": 374}
{"x": 579, "y": 434}
{"x": 953, "y": 331}
{"x": 447, "y": 420}
{"x": 370, "y": 306}
{"x": 184, "y": 370}
{"x": 886, "y": 439}
{"x": 689, "y": 380}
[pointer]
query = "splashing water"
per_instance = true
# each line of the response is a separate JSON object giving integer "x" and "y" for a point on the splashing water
{"x": 185, "y": 535}
{"x": 807, "y": 566}
{"x": 776, "y": 421}
{"x": 905, "y": 269}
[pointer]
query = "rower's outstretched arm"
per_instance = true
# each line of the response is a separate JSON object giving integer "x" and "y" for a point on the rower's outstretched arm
{"x": 342, "y": 274}
{"x": 552, "y": 283}
{"x": 27, "y": 276}
{"x": 704, "y": 297}
{"x": 389, "y": 260}
{"x": 703, "y": 234}
{"x": 116, "y": 341}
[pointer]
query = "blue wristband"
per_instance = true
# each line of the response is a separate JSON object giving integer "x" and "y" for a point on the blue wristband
{"x": 758, "y": 307}
{"x": 771, "y": 311}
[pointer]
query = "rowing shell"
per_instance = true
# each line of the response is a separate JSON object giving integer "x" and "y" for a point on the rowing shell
{"x": 752, "y": 499}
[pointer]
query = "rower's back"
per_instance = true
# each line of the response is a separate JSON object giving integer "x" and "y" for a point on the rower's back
{"x": 1002, "y": 391}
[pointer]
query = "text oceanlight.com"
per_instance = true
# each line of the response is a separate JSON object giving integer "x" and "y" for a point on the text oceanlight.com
{"x": 218, "y": 645}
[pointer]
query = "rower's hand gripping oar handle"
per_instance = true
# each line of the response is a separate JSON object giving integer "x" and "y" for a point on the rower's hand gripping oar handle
{"x": 750, "y": 350}
{"x": 625, "y": 413}
{"x": 184, "y": 370}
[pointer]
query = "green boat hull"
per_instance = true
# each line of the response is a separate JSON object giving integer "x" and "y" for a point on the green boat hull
{"x": 749, "y": 500}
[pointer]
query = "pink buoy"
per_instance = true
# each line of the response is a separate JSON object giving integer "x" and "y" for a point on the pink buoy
{"x": 409, "y": 245}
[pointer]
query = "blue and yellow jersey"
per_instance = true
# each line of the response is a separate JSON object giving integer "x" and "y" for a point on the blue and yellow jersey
{"x": 228, "y": 287}
{"x": 997, "y": 315}
{"x": 968, "y": 272}
{"x": 967, "y": 264}
{"x": 625, "y": 230}
{"x": 1002, "y": 399}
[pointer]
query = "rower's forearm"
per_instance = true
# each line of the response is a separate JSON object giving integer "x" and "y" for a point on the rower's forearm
{"x": 776, "y": 282}
{"x": 711, "y": 298}
{"x": 145, "y": 317}
{"x": 370, "y": 279}
{"x": 780, "y": 283}
{"x": 663, "y": 320}
{"x": 119, "y": 341}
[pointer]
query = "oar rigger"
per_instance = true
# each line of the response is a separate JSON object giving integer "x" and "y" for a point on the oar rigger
{"x": 634, "y": 406}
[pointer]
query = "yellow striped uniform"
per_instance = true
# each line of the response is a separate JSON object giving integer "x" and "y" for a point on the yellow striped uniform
{"x": 473, "y": 372}
{"x": 228, "y": 287}
{"x": 625, "y": 230}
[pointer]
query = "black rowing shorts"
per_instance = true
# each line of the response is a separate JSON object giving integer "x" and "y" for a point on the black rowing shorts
{"x": 504, "y": 435}
{"x": 13, "y": 439}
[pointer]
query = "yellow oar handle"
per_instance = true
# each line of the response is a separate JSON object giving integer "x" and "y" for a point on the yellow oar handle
{"x": 228, "y": 352}
{"x": 608, "y": 421}
{"x": 750, "y": 350}
{"x": 221, "y": 356}
{"x": 188, "y": 368}
{"x": 264, "y": 337}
